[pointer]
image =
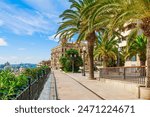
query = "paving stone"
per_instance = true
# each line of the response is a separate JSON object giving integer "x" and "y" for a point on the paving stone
{"x": 70, "y": 89}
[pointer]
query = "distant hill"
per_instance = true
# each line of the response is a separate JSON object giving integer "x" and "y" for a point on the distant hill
{"x": 23, "y": 65}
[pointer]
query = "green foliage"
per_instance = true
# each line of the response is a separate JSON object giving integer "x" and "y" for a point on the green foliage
{"x": 7, "y": 84}
{"x": 138, "y": 47}
{"x": 72, "y": 52}
{"x": 11, "y": 85}
{"x": 63, "y": 60}
{"x": 22, "y": 81}
{"x": 107, "y": 50}
{"x": 68, "y": 66}
{"x": 67, "y": 61}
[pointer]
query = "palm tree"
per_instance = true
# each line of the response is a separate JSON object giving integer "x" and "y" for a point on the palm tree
{"x": 138, "y": 46}
{"x": 136, "y": 12}
{"x": 106, "y": 49}
{"x": 125, "y": 12}
{"x": 74, "y": 24}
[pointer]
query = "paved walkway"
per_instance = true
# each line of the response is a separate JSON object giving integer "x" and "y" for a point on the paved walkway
{"x": 68, "y": 88}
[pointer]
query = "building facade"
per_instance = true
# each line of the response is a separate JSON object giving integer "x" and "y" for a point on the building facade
{"x": 61, "y": 49}
{"x": 134, "y": 61}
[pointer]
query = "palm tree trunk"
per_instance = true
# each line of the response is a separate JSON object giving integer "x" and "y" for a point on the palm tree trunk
{"x": 105, "y": 63}
{"x": 142, "y": 69}
{"x": 91, "y": 38}
{"x": 147, "y": 80}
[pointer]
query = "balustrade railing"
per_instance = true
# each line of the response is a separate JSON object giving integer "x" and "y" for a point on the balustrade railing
{"x": 32, "y": 92}
{"x": 134, "y": 74}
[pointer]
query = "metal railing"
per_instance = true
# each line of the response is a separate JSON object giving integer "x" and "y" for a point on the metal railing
{"x": 32, "y": 92}
{"x": 134, "y": 74}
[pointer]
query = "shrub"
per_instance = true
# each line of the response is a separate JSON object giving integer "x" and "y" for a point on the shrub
{"x": 11, "y": 85}
{"x": 67, "y": 61}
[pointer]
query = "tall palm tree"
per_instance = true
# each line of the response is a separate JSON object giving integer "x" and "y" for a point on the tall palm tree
{"x": 125, "y": 12}
{"x": 106, "y": 49}
{"x": 74, "y": 24}
{"x": 137, "y": 12}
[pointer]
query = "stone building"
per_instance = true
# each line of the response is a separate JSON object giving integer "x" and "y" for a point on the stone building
{"x": 60, "y": 50}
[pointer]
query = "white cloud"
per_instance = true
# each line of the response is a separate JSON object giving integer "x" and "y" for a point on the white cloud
{"x": 41, "y": 5}
{"x": 26, "y": 21}
{"x": 1, "y": 58}
{"x": 19, "y": 59}
{"x": 13, "y": 57}
{"x": 53, "y": 38}
{"x": 3, "y": 42}
{"x": 56, "y": 39}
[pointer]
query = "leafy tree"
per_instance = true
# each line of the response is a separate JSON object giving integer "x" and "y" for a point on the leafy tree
{"x": 62, "y": 61}
{"x": 67, "y": 61}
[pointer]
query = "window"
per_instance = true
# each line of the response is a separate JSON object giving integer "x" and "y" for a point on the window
{"x": 133, "y": 58}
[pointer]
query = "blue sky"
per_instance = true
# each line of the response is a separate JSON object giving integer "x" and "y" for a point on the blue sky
{"x": 27, "y": 28}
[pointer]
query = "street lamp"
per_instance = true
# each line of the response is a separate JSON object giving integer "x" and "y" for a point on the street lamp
{"x": 84, "y": 51}
{"x": 119, "y": 50}
{"x": 73, "y": 56}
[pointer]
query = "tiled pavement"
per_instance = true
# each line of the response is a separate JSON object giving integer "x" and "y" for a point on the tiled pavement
{"x": 69, "y": 89}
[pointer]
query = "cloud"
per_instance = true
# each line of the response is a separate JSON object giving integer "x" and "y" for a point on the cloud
{"x": 19, "y": 59}
{"x": 53, "y": 38}
{"x": 26, "y": 21}
{"x": 41, "y": 5}
{"x": 56, "y": 39}
{"x": 3, "y": 42}
{"x": 1, "y": 58}
{"x": 13, "y": 57}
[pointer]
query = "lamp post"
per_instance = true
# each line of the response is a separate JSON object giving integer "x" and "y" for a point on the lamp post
{"x": 84, "y": 51}
{"x": 73, "y": 56}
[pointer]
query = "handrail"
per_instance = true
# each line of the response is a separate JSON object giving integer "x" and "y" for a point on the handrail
{"x": 135, "y": 74}
{"x": 56, "y": 93}
{"x": 33, "y": 90}
{"x": 126, "y": 67}
{"x": 53, "y": 90}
